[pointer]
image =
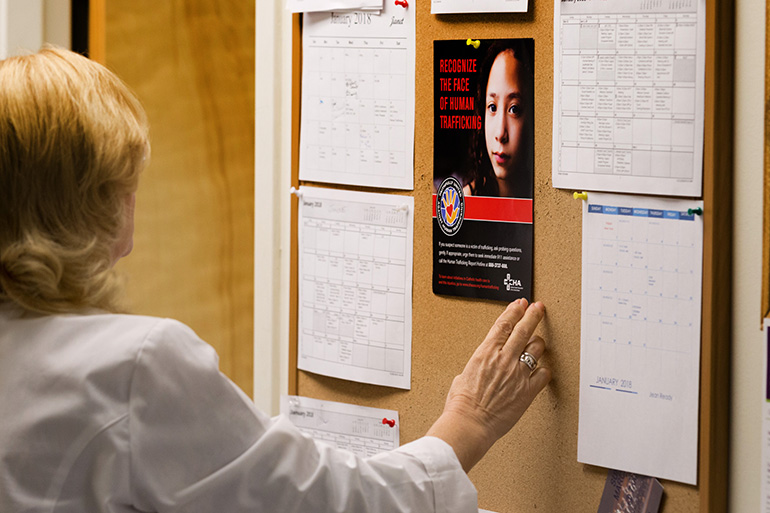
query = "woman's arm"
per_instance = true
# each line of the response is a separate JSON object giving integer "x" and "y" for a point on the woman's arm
{"x": 495, "y": 388}
{"x": 198, "y": 444}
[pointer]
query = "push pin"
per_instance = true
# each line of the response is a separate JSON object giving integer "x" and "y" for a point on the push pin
{"x": 402, "y": 3}
{"x": 475, "y": 44}
{"x": 697, "y": 211}
{"x": 580, "y": 195}
{"x": 296, "y": 192}
{"x": 391, "y": 423}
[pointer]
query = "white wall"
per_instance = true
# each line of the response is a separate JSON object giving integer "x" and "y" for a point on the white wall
{"x": 747, "y": 382}
{"x": 26, "y": 24}
{"x": 57, "y": 22}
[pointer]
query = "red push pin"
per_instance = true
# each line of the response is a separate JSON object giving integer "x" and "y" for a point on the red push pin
{"x": 391, "y": 423}
{"x": 402, "y": 3}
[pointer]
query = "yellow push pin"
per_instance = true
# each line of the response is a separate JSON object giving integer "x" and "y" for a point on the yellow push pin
{"x": 475, "y": 44}
{"x": 580, "y": 195}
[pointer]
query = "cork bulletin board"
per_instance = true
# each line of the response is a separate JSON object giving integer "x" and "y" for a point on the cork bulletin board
{"x": 534, "y": 467}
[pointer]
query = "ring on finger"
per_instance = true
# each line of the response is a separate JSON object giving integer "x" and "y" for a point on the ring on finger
{"x": 529, "y": 360}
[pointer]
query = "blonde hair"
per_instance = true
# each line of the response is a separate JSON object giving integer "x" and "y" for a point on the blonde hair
{"x": 73, "y": 140}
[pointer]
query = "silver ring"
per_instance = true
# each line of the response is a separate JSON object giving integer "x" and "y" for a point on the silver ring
{"x": 529, "y": 360}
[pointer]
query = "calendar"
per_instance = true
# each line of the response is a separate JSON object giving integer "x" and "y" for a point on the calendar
{"x": 361, "y": 430}
{"x": 358, "y": 98}
{"x": 640, "y": 335}
{"x": 628, "y": 96}
{"x": 333, "y": 5}
{"x": 468, "y": 6}
{"x": 355, "y": 290}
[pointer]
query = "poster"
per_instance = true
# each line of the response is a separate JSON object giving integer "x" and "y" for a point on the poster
{"x": 483, "y": 168}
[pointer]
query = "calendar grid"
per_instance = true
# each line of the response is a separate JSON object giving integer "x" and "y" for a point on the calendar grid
{"x": 644, "y": 272}
{"x": 355, "y": 109}
{"x": 628, "y": 94}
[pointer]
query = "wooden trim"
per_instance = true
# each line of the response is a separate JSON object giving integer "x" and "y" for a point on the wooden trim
{"x": 296, "y": 65}
{"x": 765, "y": 312}
{"x": 97, "y": 47}
{"x": 717, "y": 258}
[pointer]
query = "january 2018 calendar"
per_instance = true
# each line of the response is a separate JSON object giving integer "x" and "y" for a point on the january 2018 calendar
{"x": 640, "y": 335}
{"x": 355, "y": 285}
{"x": 362, "y": 430}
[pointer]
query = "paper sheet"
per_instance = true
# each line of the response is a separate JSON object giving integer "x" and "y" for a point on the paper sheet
{"x": 467, "y": 6}
{"x": 355, "y": 285}
{"x": 332, "y": 5}
{"x": 362, "y": 430}
{"x": 765, "y": 500}
{"x": 628, "y": 95}
{"x": 640, "y": 335}
{"x": 358, "y": 98}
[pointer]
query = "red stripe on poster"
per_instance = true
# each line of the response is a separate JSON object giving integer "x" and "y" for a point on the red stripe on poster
{"x": 504, "y": 210}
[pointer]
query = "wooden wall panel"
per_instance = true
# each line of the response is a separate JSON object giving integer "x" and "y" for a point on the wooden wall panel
{"x": 192, "y": 64}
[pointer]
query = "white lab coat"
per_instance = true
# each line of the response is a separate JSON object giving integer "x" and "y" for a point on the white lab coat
{"x": 120, "y": 413}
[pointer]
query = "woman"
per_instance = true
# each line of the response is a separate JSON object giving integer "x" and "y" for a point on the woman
{"x": 105, "y": 411}
{"x": 502, "y": 157}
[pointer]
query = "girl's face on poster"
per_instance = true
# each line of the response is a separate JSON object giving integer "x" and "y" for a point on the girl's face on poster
{"x": 505, "y": 117}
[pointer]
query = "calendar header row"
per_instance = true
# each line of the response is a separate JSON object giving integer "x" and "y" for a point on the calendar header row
{"x": 640, "y": 212}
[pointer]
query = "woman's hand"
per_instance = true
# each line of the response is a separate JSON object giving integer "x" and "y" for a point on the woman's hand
{"x": 495, "y": 388}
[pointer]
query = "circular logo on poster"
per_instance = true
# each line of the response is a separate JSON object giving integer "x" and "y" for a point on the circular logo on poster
{"x": 450, "y": 206}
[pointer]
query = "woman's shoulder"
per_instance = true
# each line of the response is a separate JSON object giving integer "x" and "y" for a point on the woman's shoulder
{"x": 147, "y": 330}
{"x": 124, "y": 325}
{"x": 106, "y": 332}
{"x": 96, "y": 352}
{"x": 481, "y": 186}
{"x": 153, "y": 344}
{"x": 99, "y": 338}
